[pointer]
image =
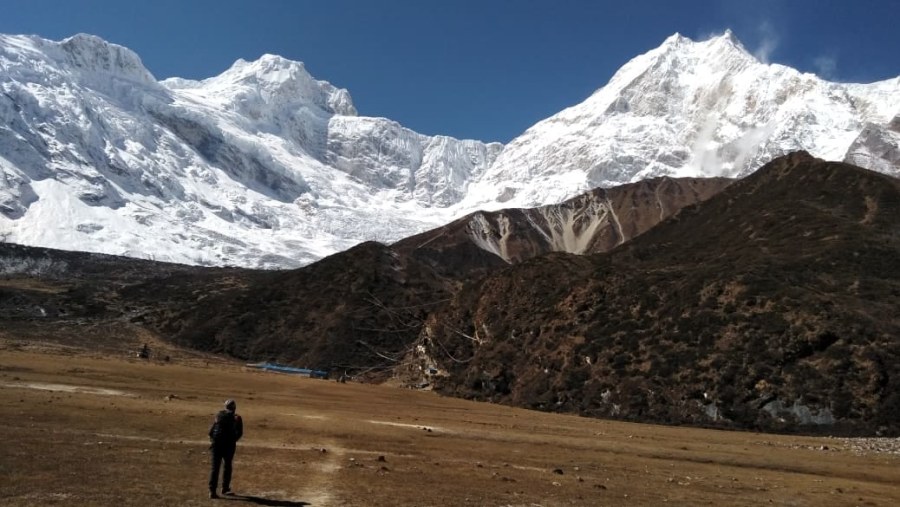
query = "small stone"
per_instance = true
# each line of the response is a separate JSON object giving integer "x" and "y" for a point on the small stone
{"x": 382, "y": 458}
{"x": 558, "y": 471}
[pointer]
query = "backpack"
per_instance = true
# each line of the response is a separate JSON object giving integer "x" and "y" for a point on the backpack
{"x": 224, "y": 430}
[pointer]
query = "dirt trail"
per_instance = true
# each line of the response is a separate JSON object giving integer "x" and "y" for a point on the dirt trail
{"x": 318, "y": 487}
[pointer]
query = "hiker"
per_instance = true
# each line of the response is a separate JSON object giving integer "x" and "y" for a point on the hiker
{"x": 224, "y": 433}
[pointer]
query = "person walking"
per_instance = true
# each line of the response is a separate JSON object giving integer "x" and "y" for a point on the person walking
{"x": 224, "y": 433}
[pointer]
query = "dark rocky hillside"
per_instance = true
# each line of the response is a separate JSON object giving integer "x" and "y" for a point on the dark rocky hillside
{"x": 362, "y": 309}
{"x": 358, "y": 310}
{"x": 774, "y": 305}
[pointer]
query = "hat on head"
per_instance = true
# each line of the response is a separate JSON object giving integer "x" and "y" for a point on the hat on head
{"x": 230, "y": 405}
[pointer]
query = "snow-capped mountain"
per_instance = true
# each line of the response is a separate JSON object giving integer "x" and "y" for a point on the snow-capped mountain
{"x": 260, "y": 166}
{"x": 685, "y": 109}
{"x": 265, "y": 166}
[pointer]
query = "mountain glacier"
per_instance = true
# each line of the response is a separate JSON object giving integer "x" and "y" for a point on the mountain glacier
{"x": 691, "y": 109}
{"x": 265, "y": 166}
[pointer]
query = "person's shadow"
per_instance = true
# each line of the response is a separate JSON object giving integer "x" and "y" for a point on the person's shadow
{"x": 258, "y": 500}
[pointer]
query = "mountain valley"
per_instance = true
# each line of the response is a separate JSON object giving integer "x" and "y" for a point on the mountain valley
{"x": 768, "y": 303}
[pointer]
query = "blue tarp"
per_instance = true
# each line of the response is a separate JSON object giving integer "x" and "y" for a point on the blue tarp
{"x": 280, "y": 368}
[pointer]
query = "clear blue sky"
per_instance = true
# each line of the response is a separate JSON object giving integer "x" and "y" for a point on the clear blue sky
{"x": 481, "y": 69}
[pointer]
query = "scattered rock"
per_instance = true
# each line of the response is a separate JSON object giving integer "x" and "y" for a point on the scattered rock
{"x": 382, "y": 458}
{"x": 558, "y": 471}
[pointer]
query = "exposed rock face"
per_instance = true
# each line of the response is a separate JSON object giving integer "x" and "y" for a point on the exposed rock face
{"x": 773, "y": 305}
{"x": 878, "y": 148}
{"x": 596, "y": 221}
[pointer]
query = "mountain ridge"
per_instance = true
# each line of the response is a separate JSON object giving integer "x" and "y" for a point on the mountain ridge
{"x": 266, "y": 166}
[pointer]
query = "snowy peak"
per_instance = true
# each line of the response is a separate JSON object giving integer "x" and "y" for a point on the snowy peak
{"x": 280, "y": 80}
{"x": 271, "y": 81}
{"x": 261, "y": 166}
{"x": 687, "y": 109}
{"x": 725, "y": 44}
{"x": 91, "y": 54}
{"x": 82, "y": 60}
{"x": 679, "y": 55}
{"x": 266, "y": 166}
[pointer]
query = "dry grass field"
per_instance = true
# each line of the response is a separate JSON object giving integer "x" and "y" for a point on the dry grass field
{"x": 85, "y": 428}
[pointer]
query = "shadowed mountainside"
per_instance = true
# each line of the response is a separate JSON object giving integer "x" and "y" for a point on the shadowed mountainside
{"x": 358, "y": 310}
{"x": 773, "y": 305}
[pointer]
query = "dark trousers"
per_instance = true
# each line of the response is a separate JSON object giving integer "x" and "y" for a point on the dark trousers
{"x": 221, "y": 453}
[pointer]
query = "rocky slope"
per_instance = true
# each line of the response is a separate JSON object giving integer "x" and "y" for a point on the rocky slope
{"x": 359, "y": 310}
{"x": 772, "y": 305}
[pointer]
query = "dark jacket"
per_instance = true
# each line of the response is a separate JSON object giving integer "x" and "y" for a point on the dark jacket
{"x": 227, "y": 429}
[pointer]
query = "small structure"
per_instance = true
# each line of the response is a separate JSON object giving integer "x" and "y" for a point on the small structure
{"x": 280, "y": 368}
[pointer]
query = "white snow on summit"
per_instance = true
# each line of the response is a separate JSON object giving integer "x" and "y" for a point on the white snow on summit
{"x": 261, "y": 166}
{"x": 683, "y": 109}
{"x": 266, "y": 166}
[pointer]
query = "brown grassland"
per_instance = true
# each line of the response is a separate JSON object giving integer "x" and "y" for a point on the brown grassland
{"x": 83, "y": 427}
